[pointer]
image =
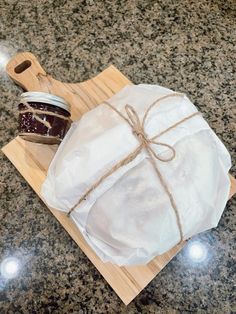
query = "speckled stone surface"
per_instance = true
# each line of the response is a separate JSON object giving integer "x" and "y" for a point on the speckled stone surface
{"x": 188, "y": 46}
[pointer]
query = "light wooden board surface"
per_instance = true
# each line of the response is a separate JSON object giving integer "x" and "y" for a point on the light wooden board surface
{"x": 32, "y": 161}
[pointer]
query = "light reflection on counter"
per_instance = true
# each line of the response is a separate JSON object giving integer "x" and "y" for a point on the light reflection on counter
{"x": 10, "y": 267}
{"x": 4, "y": 58}
{"x": 7, "y": 51}
{"x": 197, "y": 252}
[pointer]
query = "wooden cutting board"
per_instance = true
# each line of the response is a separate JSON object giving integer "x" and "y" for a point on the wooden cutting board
{"x": 32, "y": 161}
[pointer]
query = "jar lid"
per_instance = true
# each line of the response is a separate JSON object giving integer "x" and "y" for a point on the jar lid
{"x": 45, "y": 98}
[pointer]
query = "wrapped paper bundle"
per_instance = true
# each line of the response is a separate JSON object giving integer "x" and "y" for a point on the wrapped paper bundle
{"x": 139, "y": 173}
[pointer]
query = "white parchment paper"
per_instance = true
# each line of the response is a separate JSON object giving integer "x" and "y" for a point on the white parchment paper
{"x": 128, "y": 218}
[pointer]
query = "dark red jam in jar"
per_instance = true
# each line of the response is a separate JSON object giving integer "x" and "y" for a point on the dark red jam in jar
{"x": 43, "y": 118}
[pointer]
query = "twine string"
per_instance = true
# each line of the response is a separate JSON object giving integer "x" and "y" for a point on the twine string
{"x": 138, "y": 129}
{"x": 36, "y": 114}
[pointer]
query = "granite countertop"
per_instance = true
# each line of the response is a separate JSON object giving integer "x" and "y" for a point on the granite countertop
{"x": 188, "y": 46}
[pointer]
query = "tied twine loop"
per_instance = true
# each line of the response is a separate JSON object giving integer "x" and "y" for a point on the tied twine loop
{"x": 138, "y": 129}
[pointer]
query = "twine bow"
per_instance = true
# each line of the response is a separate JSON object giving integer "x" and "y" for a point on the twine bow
{"x": 138, "y": 129}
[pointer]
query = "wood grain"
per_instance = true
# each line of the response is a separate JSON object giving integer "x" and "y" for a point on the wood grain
{"x": 32, "y": 161}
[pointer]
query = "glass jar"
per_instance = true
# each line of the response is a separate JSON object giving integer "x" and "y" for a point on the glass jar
{"x": 43, "y": 118}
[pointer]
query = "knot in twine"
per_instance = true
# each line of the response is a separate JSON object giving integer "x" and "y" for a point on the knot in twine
{"x": 138, "y": 130}
{"x": 146, "y": 142}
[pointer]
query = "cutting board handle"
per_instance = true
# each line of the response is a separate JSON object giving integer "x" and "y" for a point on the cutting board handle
{"x": 27, "y": 72}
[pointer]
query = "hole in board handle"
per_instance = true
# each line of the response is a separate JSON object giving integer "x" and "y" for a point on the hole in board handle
{"x": 22, "y": 66}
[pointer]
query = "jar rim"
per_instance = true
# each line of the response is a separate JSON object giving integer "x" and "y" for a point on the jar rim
{"x": 46, "y": 98}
